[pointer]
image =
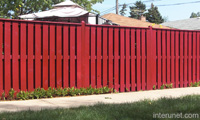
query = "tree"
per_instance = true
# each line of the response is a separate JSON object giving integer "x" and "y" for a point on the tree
{"x": 122, "y": 11}
{"x": 87, "y": 4}
{"x": 14, "y": 8}
{"x": 153, "y": 15}
{"x": 137, "y": 10}
{"x": 194, "y": 15}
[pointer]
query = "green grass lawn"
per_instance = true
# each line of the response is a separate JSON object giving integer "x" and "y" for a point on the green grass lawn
{"x": 142, "y": 110}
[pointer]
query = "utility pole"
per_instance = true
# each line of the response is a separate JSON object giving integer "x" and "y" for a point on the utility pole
{"x": 117, "y": 7}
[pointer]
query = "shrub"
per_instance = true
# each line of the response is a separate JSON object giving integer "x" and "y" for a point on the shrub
{"x": 55, "y": 92}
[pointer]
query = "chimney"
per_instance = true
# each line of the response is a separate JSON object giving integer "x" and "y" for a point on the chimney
{"x": 143, "y": 18}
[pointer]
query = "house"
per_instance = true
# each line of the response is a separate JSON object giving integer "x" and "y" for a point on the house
{"x": 187, "y": 24}
{"x": 126, "y": 21}
{"x": 66, "y": 11}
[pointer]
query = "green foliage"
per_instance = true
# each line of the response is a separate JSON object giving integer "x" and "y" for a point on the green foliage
{"x": 162, "y": 86}
{"x": 11, "y": 93}
{"x": 3, "y": 96}
{"x": 137, "y": 10}
{"x": 55, "y": 92}
{"x": 14, "y": 8}
{"x": 169, "y": 85}
{"x": 154, "y": 87}
{"x": 195, "y": 84}
{"x": 22, "y": 95}
{"x": 153, "y": 15}
{"x": 194, "y": 15}
{"x": 123, "y": 10}
{"x": 87, "y": 4}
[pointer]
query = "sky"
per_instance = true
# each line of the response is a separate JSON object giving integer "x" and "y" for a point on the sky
{"x": 172, "y": 13}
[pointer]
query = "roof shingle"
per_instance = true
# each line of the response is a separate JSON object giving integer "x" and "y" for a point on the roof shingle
{"x": 126, "y": 21}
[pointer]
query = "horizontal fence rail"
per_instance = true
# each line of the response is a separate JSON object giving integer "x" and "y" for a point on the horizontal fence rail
{"x": 49, "y": 54}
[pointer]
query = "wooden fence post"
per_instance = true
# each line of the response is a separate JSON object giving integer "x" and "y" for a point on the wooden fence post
{"x": 151, "y": 59}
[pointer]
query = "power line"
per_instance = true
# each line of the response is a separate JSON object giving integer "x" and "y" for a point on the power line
{"x": 164, "y": 5}
{"x": 178, "y": 4}
{"x": 114, "y": 7}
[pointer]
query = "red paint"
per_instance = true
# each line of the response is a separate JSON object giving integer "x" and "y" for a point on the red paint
{"x": 52, "y": 56}
{"x": 86, "y": 61}
{"x": 93, "y": 55}
{"x": 116, "y": 59}
{"x": 7, "y": 33}
{"x": 177, "y": 59}
{"x": 122, "y": 75}
{"x": 133, "y": 60}
{"x": 198, "y": 55}
{"x": 23, "y": 47}
{"x": 185, "y": 57}
{"x": 15, "y": 52}
{"x": 189, "y": 58}
{"x": 30, "y": 57}
{"x": 105, "y": 56}
{"x": 163, "y": 57}
{"x": 58, "y": 56}
{"x": 143, "y": 60}
{"x": 78, "y": 57}
{"x": 159, "y": 58}
{"x": 127, "y": 75}
{"x": 181, "y": 61}
{"x": 168, "y": 58}
{"x": 48, "y": 54}
{"x": 194, "y": 79}
{"x": 138, "y": 37}
{"x": 99, "y": 57}
{"x": 110, "y": 62}
{"x": 45, "y": 61}
{"x": 38, "y": 55}
{"x": 1, "y": 51}
{"x": 172, "y": 57}
{"x": 72, "y": 56}
{"x": 65, "y": 57}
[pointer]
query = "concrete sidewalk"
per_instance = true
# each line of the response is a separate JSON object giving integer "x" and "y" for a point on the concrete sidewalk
{"x": 68, "y": 102}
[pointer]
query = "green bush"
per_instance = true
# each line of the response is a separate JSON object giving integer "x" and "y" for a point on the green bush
{"x": 11, "y": 94}
{"x": 53, "y": 92}
{"x": 195, "y": 84}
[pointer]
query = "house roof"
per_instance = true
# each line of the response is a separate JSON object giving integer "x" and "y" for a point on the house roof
{"x": 187, "y": 24}
{"x": 126, "y": 21}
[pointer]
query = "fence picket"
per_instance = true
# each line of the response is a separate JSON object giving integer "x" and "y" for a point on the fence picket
{"x": 133, "y": 44}
{"x": 38, "y": 55}
{"x": 93, "y": 55}
{"x": 105, "y": 56}
{"x": 58, "y": 56}
{"x": 15, "y": 52}
{"x": 45, "y": 60}
{"x": 52, "y": 57}
{"x": 110, "y": 55}
{"x": 116, "y": 59}
{"x": 72, "y": 56}
{"x": 185, "y": 58}
{"x": 66, "y": 59}
{"x": 127, "y": 75}
{"x": 172, "y": 58}
{"x": 30, "y": 80}
{"x": 1, "y": 54}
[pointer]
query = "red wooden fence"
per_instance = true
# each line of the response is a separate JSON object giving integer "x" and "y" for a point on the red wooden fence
{"x": 43, "y": 54}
